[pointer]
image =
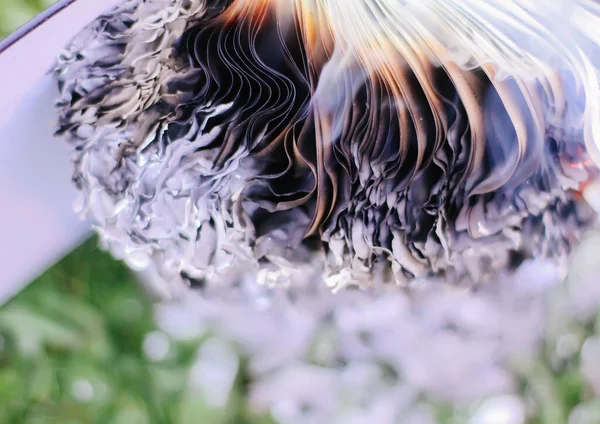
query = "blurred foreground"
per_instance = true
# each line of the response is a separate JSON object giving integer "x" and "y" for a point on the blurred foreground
{"x": 81, "y": 345}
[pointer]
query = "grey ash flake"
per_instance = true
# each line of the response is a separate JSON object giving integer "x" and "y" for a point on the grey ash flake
{"x": 212, "y": 133}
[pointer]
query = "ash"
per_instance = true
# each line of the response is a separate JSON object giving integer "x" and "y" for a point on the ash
{"x": 379, "y": 147}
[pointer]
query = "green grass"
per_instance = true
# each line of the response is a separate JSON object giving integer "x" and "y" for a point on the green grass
{"x": 83, "y": 323}
{"x": 83, "y": 320}
{"x": 14, "y": 13}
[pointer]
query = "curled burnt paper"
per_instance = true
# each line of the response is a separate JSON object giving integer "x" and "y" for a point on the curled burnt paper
{"x": 377, "y": 140}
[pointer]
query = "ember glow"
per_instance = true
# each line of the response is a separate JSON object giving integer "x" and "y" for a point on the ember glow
{"x": 379, "y": 140}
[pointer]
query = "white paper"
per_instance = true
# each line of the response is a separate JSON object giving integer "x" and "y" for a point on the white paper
{"x": 37, "y": 222}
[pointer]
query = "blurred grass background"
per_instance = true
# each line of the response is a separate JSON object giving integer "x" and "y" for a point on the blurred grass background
{"x": 14, "y": 13}
{"x": 71, "y": 351}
